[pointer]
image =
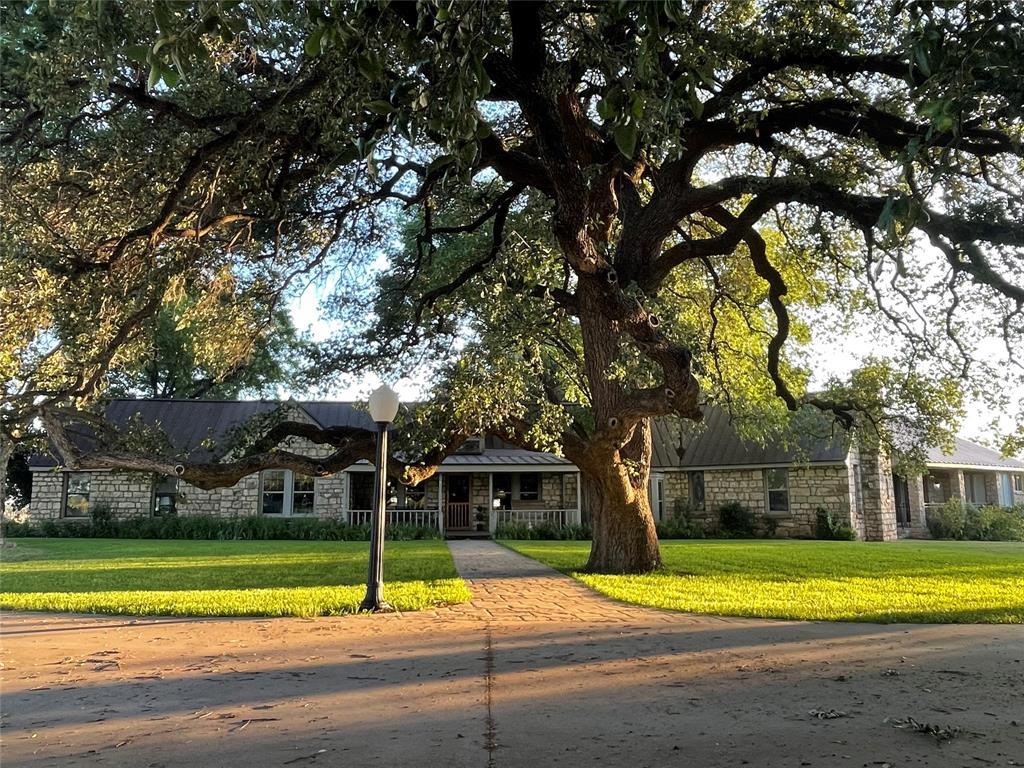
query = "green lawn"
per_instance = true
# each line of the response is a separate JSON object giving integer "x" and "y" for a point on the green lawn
{"x": 220, "y": 578}
{"x": 905, "y": 581}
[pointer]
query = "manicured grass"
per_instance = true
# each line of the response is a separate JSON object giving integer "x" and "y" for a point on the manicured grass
{"x": 220, "y": 578}
{"x": 905, "y": 581}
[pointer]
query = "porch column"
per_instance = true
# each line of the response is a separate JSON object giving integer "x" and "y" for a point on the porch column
{"x": 440, "y": 503}
{"x": 579, "y": 499}
{"x": 492, "y": 513}
{"x": 957, "y": 485}
{"x": 346, "y": 495}
{"x": 918, "y": 520}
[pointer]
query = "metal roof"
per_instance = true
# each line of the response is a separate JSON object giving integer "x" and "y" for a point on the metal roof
{"x": 968, "y": 454}
{"x": 189, "y": 424}
{"x": 714, "y": 442}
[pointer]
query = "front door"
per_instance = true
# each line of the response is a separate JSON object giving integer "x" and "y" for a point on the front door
{"x": 901, "y": 492}
{"x": 457, "y": 511}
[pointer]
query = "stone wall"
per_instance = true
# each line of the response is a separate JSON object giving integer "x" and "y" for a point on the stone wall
{"x": 879, "y": 499}
{"x": 810, "y": 487}
{"x": 126, "y": 494}
{"x": 47, "y": 495}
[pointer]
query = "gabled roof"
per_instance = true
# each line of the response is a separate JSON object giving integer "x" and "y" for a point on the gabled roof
{"x": 189, "y": 424}
{"x": 968, "y": 454}
{"x": 716, "y": 443}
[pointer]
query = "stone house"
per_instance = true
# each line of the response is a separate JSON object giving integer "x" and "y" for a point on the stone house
{"x": 489, "y": 482}
{"x": 486, "y": 483}
{"x": 699, "y": 470}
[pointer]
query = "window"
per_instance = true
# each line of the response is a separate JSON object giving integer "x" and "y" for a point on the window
{"x": 302, "y": 495}
{"x": 286, "y": 493}
{"x": 472, "y": 445}
{"x": 503, "y": 490}
{"x": 529, "y": 486}
{"x": 696, "y": 491}
{"x": 1018, "y": 483}
{"x": 273, "y": 491}
{"x": 76, "y": 497}
{"x": 658, "y": 496}
{"x": 776, "y": 484}
{"x": 165, "y": 497}
{"x": 360, "y": 490}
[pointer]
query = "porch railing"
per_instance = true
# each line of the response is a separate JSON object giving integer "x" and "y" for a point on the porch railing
{"x": 458, "y": 515}
{"x": 424, "y": 518}
{"x": 536, "y": 517}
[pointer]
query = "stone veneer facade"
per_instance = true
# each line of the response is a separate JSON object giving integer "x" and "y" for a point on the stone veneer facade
{"x": 130, "y": 495}
{"x": 810, "y": 487}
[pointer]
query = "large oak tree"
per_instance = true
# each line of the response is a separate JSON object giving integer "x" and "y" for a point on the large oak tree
{"x": 604, "y": 207}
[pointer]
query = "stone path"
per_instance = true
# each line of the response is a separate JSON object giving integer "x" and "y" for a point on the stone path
{"x": 536, "y": 670}
{"x": 510, "y": 588}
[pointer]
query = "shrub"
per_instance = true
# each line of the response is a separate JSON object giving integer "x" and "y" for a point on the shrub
{"x": 205, "y": 527}
{"x": 831, "y": 529}
{"x": 736, "y": 521}
{"x": 545, "y": 531}
{"x": 949, "y": 520}
{"x": 681, "y": 525}
{"x": 994, "y": 524}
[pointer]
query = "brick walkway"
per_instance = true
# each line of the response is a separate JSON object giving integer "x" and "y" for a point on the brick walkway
{"x": 510, "y": 588}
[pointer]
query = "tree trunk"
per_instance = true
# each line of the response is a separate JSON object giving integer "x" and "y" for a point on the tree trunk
{"x": 6, "y": 451}
{"x": 624, "y": 537}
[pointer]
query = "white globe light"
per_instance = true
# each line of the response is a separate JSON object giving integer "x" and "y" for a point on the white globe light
{"x": 383, "y": 404}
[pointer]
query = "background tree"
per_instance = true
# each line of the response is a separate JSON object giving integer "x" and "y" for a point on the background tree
{"x": 181, "y": 362}
{"x": 649, "y": 196}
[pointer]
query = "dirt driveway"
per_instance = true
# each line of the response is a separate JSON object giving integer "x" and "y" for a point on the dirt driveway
{"x": 536, "y": 671}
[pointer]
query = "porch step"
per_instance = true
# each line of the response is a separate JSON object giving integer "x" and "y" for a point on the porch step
{"x": 467, "y": 534}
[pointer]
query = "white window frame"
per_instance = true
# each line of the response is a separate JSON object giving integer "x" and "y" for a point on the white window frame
{"x": 1018, "y": 483}
{"x": 288, "y": 503}
{"x": 766, "y": 473}
{"x": 658, "y": 495}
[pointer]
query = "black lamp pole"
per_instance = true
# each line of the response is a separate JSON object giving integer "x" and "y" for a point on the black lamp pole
{"x": 374, "y": 600}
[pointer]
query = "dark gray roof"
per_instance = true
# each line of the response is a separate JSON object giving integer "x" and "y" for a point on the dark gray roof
{"x": 504, "y": 456}
{"x": 714, "y": 442}
{"x": 330, "y": 413}
{"x": 968, "y": 454}
{"x": 189, "y": 423}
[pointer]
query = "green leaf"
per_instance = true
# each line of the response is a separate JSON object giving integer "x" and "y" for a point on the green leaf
{"x": 637, "y": 107}
{"x": 625, "y": 139}
{"x": 314, "y": 43}
{"x": 605, "y": 109}
{"x": 170, "y": 76}
{"x": 138, "y": 53}
{"x": 380, "y": 107}
{"x": 921, "y": 56}
{"x": 154, "y": 75}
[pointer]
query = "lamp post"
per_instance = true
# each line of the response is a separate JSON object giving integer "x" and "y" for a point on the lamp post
{"x": 383, "y": 408}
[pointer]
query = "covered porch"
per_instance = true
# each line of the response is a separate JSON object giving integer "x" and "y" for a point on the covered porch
{"x": 916, "y": 497}
{"x": 467, "y": 501}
